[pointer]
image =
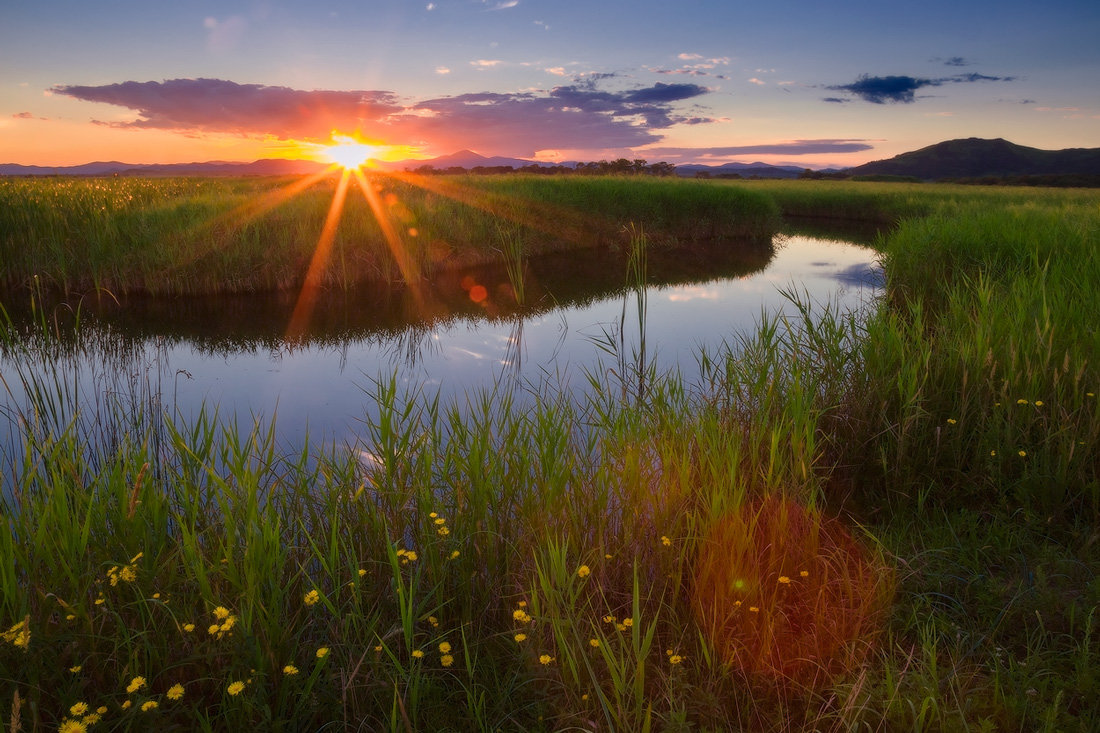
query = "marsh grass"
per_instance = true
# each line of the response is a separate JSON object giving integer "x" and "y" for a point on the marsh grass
{"x": 164, "y": 236}
{"x": 479, "y": 565}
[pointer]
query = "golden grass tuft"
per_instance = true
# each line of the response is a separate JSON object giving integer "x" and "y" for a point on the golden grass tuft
{"x": 788, "y": 596}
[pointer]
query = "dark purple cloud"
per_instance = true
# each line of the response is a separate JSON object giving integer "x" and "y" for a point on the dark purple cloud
{"x": 580, "y": 115}
{"x": 216, "y": 105}
{"x": 893, "y": 89}
{"x": 794, "y": 147}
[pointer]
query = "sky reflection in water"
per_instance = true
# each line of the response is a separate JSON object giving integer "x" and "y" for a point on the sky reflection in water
{"x": 326, "y": 387}
{"x": 230, "y": 355}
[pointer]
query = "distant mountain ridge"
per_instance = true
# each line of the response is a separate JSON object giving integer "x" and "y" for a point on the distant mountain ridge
{"x": 980, "y": 158}
{"x": 958, "y": 159}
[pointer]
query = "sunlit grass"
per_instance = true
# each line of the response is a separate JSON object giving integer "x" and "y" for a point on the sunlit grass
{"x": 574, "y": 564}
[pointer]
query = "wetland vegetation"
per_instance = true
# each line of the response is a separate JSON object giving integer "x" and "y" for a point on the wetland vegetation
{"x": 883, "y": 521}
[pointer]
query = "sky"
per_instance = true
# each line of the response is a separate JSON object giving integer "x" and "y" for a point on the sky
{"x": 790, "y": 82}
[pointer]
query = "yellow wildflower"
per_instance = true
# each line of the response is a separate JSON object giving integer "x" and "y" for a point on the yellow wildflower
{"x": 1022, "y": 453}
{"x": 322, "y": 652}
{"x": 754, "y": 609}
{"x": 443, "y": 531}
{"x": 101, "y": 710}
{"x": 221, "y": 612}
{"x": 91, "y": 718}
{"x": 609, "y": 619}
{"x": 1038, "y": 403}
{"x": 675, "y": 659}
{"x": 628, "y": 622}
{"x": 440, "y": 521}
{"x": 76, "y": 669}
{"x": 952, "y": 421}
{"x": 520, "y": 615}
{"x": 784, "y": 579}
{"x": 446, "y": 660}
{"x": 213, "y": 629}
{"x": 189, "y": 628}
{"x": 417, "y": 654}
{"x": 521, "y": 604}
{"x": 433, "y": 515}
{"x": 362, "y": 572}
{"x": 149, "y": 705}
{"x": 804, "y": 573}
{"x": 19, "y": 634}
{"x": 1021, "y": 402}
{"x": 78, "y": 708}
{"x": 433, "y": 621}
{"x": 444, "y": 647}
{"x": 594, "y": 643}
{"x": 454, "y": 554}
{"x": 545, "y": 659}
{"x": 235, "y": 688}
{"x": 520, "y": 637}
{"x": 666, "y": 541}
{"x": 72, "y": 726}
{"x": 135, "y": 684}
{"x": 175, "y": 692}
{"x": 312, "y": 597}
{"x": 583, "y": 571}
{"x": 126, "y": 705}
{"x": 290, "y": 670}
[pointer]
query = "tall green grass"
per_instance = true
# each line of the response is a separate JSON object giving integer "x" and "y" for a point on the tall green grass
{"x": 486, "y": 566}
{"x": 165, "y": 236}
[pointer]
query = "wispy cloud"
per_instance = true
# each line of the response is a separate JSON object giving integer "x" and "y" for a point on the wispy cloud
{"x": 575, "y": 116}
{"x": 791, "y": 147}
{"x": 485, "y": 63}
{"x": 23, "y": 116}
{"x": 502, "y": 5}
{"x": 895, "y": 89}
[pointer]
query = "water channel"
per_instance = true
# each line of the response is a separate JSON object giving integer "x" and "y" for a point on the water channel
{"x": 463, "y": 333}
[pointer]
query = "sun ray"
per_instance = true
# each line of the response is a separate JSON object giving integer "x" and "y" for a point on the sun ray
{"x": 410, "y": 270}
{"x": 307, "y": 297}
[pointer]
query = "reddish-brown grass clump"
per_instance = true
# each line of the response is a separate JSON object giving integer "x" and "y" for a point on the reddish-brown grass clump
{"x": 787, "y": 595}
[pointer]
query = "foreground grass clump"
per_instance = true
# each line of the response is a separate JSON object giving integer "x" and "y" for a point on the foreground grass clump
{"x": 787, "y": 595}
{"x": 210, "y": 235}
{"x": 549, "y": 565}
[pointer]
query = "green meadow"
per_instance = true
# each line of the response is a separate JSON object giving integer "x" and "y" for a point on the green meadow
{"x": 882, "y": 521}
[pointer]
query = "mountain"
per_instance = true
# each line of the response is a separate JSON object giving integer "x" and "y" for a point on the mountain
{"x": 745, "y": 170}
{"x": 266, "y": 167}
{"x": 467, "y": 159}
{"x": 979, "y": 158}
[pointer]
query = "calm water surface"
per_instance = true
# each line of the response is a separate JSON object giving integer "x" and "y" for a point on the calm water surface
{"x": 463, "y": 334}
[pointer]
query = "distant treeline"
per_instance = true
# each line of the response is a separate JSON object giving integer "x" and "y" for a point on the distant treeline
{"x": 622, "y": 166}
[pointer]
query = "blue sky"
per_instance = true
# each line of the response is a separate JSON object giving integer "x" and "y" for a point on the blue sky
{"x": 804, "y": 83}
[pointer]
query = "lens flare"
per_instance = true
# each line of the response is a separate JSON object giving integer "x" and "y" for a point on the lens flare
{"x": 351, "y": 153}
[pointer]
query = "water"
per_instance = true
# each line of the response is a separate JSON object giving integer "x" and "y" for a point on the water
{"x": 455, "y": 338}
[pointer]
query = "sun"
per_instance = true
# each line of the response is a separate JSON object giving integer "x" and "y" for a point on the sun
{"x": 351, "y": 153}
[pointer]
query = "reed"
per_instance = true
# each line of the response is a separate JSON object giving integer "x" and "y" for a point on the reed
{"x": 495, "y": 563}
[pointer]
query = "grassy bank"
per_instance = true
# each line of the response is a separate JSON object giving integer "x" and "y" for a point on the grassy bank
{"x": 161, "y": 236}
{"x": 883, "y": 523}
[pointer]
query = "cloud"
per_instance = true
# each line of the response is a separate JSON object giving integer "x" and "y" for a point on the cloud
{"x": 580, "y": 115}
{"x": 442, "y": 70}
{"x": 756, "y": 81}
{"x": 953, "y": 61}
{"x": 486, "y": 63}
{"x": 504, "y": 5}
{"x": 215, "y": 105}
{"x": 224, "y": 35}
{"x": 894, "y": 89}
{"x": 793, "y": 147}
{"x": 23, "y": 116}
